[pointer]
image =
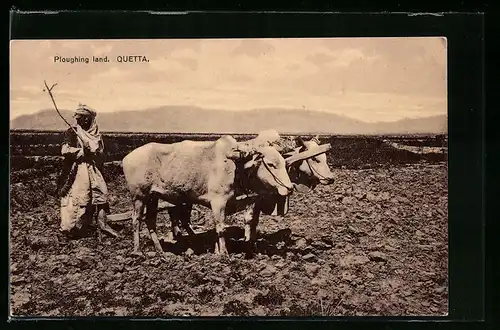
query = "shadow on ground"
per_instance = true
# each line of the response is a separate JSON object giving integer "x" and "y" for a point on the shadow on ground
{"x": 276, "y": 243}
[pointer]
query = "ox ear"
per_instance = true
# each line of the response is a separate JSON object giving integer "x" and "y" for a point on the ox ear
{"x": 246, "y": 155}
{"x": 241, "y": 152}
{"x": 255, "y": 161}
{"x": 234, "y": 154}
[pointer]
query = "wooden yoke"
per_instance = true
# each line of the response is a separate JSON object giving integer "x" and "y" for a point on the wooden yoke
{"x": 295, "y": 157}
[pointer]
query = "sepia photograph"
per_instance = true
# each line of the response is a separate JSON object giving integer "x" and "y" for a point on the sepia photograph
{"x": 271, "y": 177}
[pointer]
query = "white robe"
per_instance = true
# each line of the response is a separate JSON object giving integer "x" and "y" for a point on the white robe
{"x": 89, "y": 187}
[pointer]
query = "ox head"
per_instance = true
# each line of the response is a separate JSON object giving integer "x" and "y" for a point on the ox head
{"x": 309, "y": 162}
{"x": 265, "y": 167}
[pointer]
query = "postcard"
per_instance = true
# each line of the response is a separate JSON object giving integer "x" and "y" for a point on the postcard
{"x": 229, "y": 177}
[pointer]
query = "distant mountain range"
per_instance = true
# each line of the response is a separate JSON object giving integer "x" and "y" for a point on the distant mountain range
{"x": 196, "y": 120}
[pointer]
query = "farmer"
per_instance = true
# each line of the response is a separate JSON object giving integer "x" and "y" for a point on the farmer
{"x": 81, "y": 186}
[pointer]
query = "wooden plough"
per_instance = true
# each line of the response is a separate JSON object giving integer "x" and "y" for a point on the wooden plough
{"x": 162, "y": 205}
{"x": 128, "y": 215}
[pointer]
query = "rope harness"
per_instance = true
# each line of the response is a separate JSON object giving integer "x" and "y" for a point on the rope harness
{"x": 278, "y": 181}
{"x": 321, "y": 177}
{"x": 244, "y": 181}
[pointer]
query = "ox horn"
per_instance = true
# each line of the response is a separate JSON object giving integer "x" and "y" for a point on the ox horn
{"x": 308, "y": 154}
{"x": 316, "y": 139}
{"x": 300, "y": 141}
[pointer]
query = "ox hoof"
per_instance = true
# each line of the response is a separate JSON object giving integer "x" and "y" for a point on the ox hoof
{"x": 250, "y": 249}
{"x": 138, "y": 254}
{"x": 164, "y": 258}
{"x": 250, "y": 244}
{"x": 221, "y": 252}
{"x": 112, "y": 233}
{"x": 169, "y": 240}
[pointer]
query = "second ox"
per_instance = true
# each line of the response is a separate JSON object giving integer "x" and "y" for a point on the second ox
{"x": 207, "y": 173}
{"x": 307, "y": 167}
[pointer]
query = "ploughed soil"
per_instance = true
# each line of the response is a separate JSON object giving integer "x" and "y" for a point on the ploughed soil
{"x": 373, "y": 243}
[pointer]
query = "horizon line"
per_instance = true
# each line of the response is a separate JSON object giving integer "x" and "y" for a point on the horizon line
{"x": 296, "y": 109}
{"x": 29, "y": 130}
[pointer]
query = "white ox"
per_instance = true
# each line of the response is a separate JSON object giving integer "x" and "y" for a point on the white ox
{"x": 207, "y": 173}
{"x": 307, "y": 167}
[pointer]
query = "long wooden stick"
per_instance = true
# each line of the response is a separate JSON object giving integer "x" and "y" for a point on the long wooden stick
{"x": 49, "y": 89}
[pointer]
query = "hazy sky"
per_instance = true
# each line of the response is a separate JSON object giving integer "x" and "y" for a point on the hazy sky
{"x": 372, "y": 79}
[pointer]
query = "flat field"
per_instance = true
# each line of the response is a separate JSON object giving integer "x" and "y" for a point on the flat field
{"x": 373, "y": 243}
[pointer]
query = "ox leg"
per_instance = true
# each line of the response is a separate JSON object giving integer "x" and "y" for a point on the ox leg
{"x": 137, "y": 215}
{"x": 253, "y": 225}
{"x": 251, "y": 218}
{"x": 247, "y": 217}
{"x": 186, "y": 218}
{"x": 174, "y": 214}
{"x": 218, "y": 209}
{"x": 151, "y": 214}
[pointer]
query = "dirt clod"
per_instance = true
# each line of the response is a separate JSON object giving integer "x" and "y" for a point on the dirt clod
{"x": 269, "y": 270}
{"x": 377, "y": 256}
{"x": 352, "y": 260}
{"x": 309, "y": 257}
{"x": 311, "y": 270}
